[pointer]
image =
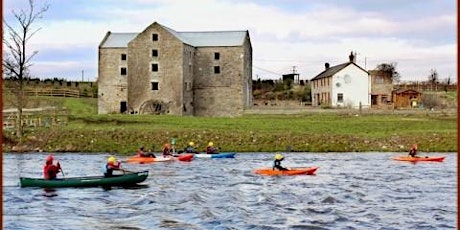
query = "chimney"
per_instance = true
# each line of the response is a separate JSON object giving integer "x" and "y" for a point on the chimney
{"x": 352, "y": 57}
{"x": 326, "y": 65}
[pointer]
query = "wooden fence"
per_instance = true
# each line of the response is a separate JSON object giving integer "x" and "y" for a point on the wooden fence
{"x": 37, "y": 117}
{"x": 53, "y": 93}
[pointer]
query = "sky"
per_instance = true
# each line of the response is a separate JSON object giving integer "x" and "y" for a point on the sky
{"x": 286, "y": 35}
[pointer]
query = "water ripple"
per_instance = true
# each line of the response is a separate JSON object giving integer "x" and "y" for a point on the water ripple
{"x": 350, "y": 191}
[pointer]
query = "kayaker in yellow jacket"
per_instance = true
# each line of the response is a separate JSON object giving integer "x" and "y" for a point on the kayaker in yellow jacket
{"x": 277, "y": 162}
{"x": 210, "y": 148}
{"x": 190, "y": 148}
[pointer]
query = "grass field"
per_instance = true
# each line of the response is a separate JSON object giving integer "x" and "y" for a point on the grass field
{"x": 325, "y": 132}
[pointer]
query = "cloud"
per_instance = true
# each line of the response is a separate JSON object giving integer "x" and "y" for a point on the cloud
{"x": 418, "y": 36}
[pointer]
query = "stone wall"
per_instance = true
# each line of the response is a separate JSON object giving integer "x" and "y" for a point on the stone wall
{"x": 219, "y": 94}
{"x": 169, "y": 76}
{"x": 112, "y": 86}
{"x": 185, "y": 82}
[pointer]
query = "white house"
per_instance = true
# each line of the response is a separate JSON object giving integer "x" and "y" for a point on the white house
{"x": 345, "y": 85}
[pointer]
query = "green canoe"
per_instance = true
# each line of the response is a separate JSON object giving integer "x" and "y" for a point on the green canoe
{"x": 126, "y": 179}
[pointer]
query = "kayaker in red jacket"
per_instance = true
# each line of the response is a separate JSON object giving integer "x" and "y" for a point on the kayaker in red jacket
{"x": 141, "y": 153}
{"x": 167, "y": 150}
{"x": 50, "y": 170}
{"x": 413, "y": 151}
{"x": 277, "y": 162}
{"x": 112, "y": 164}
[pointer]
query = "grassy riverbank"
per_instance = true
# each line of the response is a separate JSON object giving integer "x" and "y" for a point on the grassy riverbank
{"x": 305, "y": 132}
{"x": 325, "y": 132}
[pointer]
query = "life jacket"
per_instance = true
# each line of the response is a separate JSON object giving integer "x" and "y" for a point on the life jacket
{"x": 50, "y": 171}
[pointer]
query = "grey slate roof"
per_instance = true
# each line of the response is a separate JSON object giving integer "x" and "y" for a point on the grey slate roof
{"x": 333, "y": 70}
{"x": 118, "y": 40}
{"x": 196, "y": 39}
{"x": 217, "y": 38}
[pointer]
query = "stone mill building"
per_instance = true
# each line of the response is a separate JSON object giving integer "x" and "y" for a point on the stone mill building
{"x": 162, "y": 71}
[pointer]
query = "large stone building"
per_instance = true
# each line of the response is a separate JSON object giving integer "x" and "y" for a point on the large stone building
{"x": 183, "y": 73}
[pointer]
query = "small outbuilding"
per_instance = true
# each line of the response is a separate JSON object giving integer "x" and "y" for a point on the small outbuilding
{"x": 406, "y": 98}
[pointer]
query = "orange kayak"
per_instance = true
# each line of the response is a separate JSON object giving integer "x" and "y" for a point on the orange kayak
{"x": 417, "y": 159}
{"x": 142, "y": 160}
{"x": 291, "y": 172}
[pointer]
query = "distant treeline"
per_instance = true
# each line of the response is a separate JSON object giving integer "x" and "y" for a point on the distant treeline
{"x": 427, "y": 86}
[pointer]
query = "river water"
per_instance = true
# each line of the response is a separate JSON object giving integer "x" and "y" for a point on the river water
{"x": 349, "y": 191}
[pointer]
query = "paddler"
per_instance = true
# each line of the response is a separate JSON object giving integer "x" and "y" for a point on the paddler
{"x": 277, "y": 162}
{"x": 50, "y": 170}
{"x": 413, "y": 151}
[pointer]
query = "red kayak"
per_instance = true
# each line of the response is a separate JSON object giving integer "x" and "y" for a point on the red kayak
{"x": 417, "y": 159}
{"x": 142, "y": 160}
{"x": 290, "y": 172}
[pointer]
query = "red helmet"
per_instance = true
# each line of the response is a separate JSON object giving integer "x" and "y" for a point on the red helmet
{"x": 49, "y": 158}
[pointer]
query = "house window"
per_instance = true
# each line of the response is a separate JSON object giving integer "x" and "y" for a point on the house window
{"x": 123, "y": 57}
{"x": 154, "y": 53}
{"x": 340, "y": 97}
{"x": 154, "y": 67}
{"x": 216, "y": 56}
{"x": 123, "y": 71}
{"x": 154, "y": 85}
{"x": 216, "y": 69}
{"x": 379, "y": 79}
{"x": 154, "y": 37}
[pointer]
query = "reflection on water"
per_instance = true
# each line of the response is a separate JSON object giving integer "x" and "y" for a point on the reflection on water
{"x": 349, "y": 191}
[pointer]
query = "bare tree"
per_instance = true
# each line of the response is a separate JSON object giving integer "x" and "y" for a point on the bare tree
{"x": 447, "y": 83}
{"x": 390, "y": 67}
{"x": 16, "y": 60}
{"x": 433, "y": 78}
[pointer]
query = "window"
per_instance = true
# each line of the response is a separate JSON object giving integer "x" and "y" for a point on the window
{"x": 216, "y": 56}
{"x": 379, "y": 79}
{"x": 154, "y": 37}
{"x": 216, "y": 69}
{"x": 123, "y": 57}
{"x": 154, "y": 53}
{"x": 123, "y": 71}
{"x": 154, "y": 67}
{"x": 340, "y": 97}
{"x": 154, "y": 85}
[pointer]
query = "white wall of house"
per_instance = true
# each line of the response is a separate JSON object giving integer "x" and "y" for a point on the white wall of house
{"x": 353, "y": 84}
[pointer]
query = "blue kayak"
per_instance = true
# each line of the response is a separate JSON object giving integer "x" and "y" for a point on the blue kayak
{"x": 216, "y": 155}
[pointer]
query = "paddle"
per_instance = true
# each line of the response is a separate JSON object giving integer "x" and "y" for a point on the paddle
{"x": 126, "y": 171}
{"x": 62, "y": 171}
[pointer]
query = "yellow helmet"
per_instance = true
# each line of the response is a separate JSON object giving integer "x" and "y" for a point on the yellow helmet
{"x": 211, "y": 144}
{"x": 191, "y": 143}
{"x": 279, "y": 156}
{"x": 111, "y": 159}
